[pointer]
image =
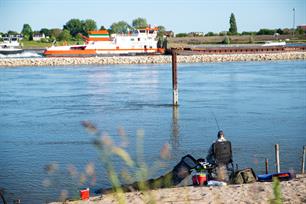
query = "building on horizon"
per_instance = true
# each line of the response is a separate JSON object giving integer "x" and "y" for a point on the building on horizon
{"x": 303, "y": 27}
{"x": 38, "y": 36}
{"x": 196, "y": 34}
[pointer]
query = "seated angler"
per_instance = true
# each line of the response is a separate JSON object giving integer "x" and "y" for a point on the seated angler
{"x": 220, "y": 154}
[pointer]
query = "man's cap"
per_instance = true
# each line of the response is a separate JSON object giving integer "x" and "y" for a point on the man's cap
{"x": 220, "y": 133}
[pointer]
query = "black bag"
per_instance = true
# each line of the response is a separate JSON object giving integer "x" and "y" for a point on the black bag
{"x": 174, "y": 177}
{"x": 244, "y": 176}
{"x": 183, "y": 169}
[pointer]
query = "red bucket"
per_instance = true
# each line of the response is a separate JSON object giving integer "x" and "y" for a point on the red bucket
{"x": 84, "y": 194}
{"x": 199, "y": 179}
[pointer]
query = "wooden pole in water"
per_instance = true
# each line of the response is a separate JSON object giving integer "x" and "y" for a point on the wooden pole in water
{"x": 277, "y": 158}
{"x": 174, "y": 77}
{"x": 303, "y": 159}
{"x": 267, "y": 164}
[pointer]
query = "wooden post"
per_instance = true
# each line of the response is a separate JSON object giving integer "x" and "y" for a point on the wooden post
{"x": 174, "y": 77}
{"x": 175, "y": 128}
{"x": 303, "y": 159}
{"x": 277, "y": 158}
{"x": 267, "y": 164}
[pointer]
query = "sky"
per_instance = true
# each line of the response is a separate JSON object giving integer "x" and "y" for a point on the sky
{"x": 176, "y": 15}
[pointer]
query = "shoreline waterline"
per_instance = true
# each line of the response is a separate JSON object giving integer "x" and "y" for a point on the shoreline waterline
{"x": 153, "y": 59}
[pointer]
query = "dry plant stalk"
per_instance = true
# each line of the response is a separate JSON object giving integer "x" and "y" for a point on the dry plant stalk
{"x": 108, "y": 149}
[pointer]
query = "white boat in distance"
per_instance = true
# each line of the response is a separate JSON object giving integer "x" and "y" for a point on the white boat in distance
{"x": 140, "y": 41}
{"x": 274, "y": 43}
{"x": 10, "y": 45}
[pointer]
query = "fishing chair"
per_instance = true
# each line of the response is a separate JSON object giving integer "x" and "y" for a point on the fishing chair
{"x": 223, "y": 156}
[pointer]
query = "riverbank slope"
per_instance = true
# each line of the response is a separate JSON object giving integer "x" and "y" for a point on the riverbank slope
{"x": 155, "y": 59}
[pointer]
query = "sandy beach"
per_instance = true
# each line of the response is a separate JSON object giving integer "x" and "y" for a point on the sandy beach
{"x": 293, "y": 191}
{"x": 151, "y": 59}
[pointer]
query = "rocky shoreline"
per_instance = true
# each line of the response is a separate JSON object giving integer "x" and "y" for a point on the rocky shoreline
{"x": 154, "y": 59}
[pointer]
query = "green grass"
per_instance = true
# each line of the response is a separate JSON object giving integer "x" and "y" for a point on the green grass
{"x": 277, "y": 192}
{"x": 34, "y": 44}
{"x": 28, "y": 44}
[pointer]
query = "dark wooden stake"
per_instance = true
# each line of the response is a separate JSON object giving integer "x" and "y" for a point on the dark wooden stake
{"x": 267, "y": 164}
{"x": 277, "y": 158}
{"x": 303, "y": 159}
{"x": 174, "y": 77}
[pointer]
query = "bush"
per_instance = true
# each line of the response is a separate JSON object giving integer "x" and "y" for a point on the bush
{"x": 300, "y": 31}
{"x": 265, "y": 31}
{"x": 211, "y": 34}
{"x": 64, "y": 36}
{"x": 226, "y": 40}
{"x": 179, "y": 35}
{"x": 248, "y": 33}
{"x": 223, "y": 33}
{"x": 44, "y": 40}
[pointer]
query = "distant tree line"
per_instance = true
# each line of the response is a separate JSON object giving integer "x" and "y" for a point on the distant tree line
{"x": 75, "y": 29}
{"x": 234, "y": 31}
{"x": 263, "y": 31}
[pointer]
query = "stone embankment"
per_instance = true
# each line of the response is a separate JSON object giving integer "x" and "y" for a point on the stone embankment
{"x": 156, "y": 59}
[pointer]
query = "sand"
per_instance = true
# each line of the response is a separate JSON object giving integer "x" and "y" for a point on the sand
{"x": 293, "y": 191}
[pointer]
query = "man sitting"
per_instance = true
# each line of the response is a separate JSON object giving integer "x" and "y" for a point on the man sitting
{"x": 220, "y": 154}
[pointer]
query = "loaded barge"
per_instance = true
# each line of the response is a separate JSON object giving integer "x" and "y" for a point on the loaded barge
{"x": 253, "y": 49}
{"x": 140, "y": 41}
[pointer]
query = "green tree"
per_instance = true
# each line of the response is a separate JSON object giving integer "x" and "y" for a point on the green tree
{"x": 55, "y": 32}
{"x": 79, "y": 38}
{"x": 27, "y": 31}
{"x": 161, "y": 31}
{"x": 300, "y": 31}
{"x": 120, "y": 27}
{"x": 45, "y": 31}
{"x": 88, "y": 25}
{"x": 265, "y": 31}
{"x": 102, "y": 28}
{"x": 223, "y": 33}
{"x": 64, "y": 35}
{"x": 11, "y": 32}
{"x": 180, "y": 35}
{"x": 233, "y": 26}
{"x": 74, "y": 26}
{"x": 139, "y": 23}
{"x": 280, "y": 31}
{"x": 248, "y": 33}
{"x": 211, "y": 34}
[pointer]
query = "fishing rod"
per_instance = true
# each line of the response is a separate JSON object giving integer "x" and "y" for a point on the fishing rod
{"x": 2, "y": 197}
{"x": 216, "y": 120}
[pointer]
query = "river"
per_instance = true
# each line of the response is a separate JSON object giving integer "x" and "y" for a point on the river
{"x": 257, "y": 104}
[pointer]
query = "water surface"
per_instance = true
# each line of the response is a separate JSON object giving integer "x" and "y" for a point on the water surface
{"x": 257, "y": 104}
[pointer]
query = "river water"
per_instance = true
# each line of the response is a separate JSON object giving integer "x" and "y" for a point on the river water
{"x": 257, "y": 104}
